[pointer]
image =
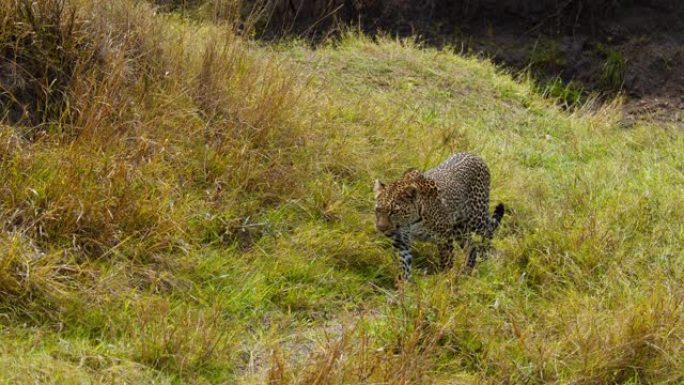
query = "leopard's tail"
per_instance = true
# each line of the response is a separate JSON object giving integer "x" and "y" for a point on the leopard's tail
{"x": 496, "y": 218}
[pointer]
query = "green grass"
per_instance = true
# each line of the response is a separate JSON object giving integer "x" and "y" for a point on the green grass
{"x": 217, "y": 226}
{"x": 613, "y": 68}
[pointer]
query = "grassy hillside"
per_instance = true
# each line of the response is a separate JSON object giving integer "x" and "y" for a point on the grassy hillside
{"x": 197, "y": 208}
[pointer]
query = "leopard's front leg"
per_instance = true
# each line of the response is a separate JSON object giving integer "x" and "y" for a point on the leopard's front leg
{"x": 402, "y": 244}
{"x": 446, "y": 250}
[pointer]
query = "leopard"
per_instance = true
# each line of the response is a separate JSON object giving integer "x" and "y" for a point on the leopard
{"x": 444, "y": 205}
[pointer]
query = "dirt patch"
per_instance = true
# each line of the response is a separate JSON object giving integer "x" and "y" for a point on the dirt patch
{"x": 638, "y": 51}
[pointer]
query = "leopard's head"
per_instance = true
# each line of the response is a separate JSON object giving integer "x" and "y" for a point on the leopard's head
{"x": 395, "y": 203}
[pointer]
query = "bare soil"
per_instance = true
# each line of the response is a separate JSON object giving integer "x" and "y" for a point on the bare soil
{"x": 649, "y": 40}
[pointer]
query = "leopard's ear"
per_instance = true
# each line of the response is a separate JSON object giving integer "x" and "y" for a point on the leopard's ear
{"x": 411, "y": 174}
{"x": 411, "y": 170}
{"x": 411, "y": 191}
{"x": 378, "y": 187}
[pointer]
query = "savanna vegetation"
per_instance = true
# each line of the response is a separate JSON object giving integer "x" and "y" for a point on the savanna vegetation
{"x": 181, "y": 204}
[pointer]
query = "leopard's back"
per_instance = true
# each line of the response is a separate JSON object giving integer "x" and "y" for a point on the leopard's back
{"x": 463, "y": 188}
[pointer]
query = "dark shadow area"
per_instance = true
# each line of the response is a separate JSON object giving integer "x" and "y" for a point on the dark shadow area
{"x": 572, "y": 47}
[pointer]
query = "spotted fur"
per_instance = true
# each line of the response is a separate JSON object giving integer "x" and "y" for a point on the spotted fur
{"x": 442, "y": 205}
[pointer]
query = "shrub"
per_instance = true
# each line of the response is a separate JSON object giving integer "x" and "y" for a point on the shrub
{"x": 43, "y": 47}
